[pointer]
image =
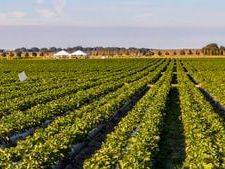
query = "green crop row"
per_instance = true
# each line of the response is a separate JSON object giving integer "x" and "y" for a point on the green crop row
{"x": 19, "y": 121}
{"x": 53, "y": 70}
{"x": 24, "y": 102}
{"x": 34, "y": 88}
{"x": 43, "y": 80}
{"x": 129, "y": 145}
{"x": 143, "y": 146}
{"x": 48, "y": 145}
{"x": 210, "y": 75}
{"x": 204, "y": 129}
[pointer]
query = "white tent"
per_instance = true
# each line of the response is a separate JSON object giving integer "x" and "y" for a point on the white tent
{"x": 62, "y": 54}
{"x": 78, "y": 53}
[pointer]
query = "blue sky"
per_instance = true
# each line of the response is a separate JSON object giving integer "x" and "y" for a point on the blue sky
{"x": 136, "y": 23}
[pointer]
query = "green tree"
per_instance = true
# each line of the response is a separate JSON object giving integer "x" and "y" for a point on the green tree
{"x": 34, "y": 54}
{"x": 26, "y": 55}
{"x": 159, "y": 53}
{"x": 11, "y": 55}
{"x": 41, "y": 54}
{"x": 190, "y": 52}
{"x": 197, "y": 52}
{"x": 18, "y": 54}
{"x": 211, "y": 49}
{"x": 182, "y": 52}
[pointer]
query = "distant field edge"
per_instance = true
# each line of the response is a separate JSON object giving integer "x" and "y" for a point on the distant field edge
{"x": 131, "y": 57}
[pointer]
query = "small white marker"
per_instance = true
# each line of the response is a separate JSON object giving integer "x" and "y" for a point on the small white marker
{"x": 22, "y": 76}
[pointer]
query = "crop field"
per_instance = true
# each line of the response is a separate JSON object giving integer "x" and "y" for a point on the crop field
{"x": 113, "y": 114}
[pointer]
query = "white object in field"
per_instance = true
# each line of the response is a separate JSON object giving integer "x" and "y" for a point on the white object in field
{"x": 78, "y": 53}
{"x": 22, "y": 76}
{"x": 62, "y": 54}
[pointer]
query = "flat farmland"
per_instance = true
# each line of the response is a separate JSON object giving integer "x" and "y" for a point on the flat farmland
{"x": 113, "y": 114}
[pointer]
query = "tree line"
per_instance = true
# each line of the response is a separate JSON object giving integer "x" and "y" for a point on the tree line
{"x": 213, "y": 49}
{"x": 210, "y": 49}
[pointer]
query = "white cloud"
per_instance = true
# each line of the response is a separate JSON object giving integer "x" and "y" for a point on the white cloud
{"x": 14, "y": 14}
{"x": 59, "y": 6}
{"x": 13, "y": 18}
{"x": 45, "y": 13}
{"x": 40, "y": 1}
{"x": 56, "y": 9}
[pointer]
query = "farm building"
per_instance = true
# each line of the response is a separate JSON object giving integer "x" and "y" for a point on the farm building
{"x": 62, "y": 54}
{"x": 78, "y": 53}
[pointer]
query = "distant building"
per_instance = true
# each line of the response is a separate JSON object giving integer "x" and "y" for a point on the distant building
{"x": 62, "y": 54}
{"x": 78, "y": 54}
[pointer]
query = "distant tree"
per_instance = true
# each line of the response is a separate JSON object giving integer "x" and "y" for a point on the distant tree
{"x": 159, "y": 53}
{"x": 211, "y": 49}
{"x": 212, "y": 46}
{"x": 222, "y": 47}
{"x": 52, "y": 49}
{"x": 18, "y": 54}
{"x": 20, "y": 50}
{"x": 26, "y": 55}
{"x": 190, "y": 52}
{"x": 174, "y": 53}
{"x": 182, "y": 52}
{"x": 127, "y": 53}
{"x": 58, "y": 49}
{"x": 23, "y": 49}
{"x": 167, "y": 53}
{"x": 34, "y": 54}
{"x": 197, "y": 52}
{"x": 3, "y": 55}
{"x": 70, "y": 50}
{"x": 11, "y": 55}
{"x": 222, "y": 50}
{"x": 44, "y": 50}
{"x": 150, "y": 53}
{"x": 41, "y": 54}
{"x": 78, "y": 48}
{"x": 34, "y": 49}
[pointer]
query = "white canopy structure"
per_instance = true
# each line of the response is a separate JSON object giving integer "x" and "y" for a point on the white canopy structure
{"x": 78, "y": 53}
{"x": 62, "y": 54}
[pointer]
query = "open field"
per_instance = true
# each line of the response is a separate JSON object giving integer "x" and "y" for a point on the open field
{"x": 115, "y": 113}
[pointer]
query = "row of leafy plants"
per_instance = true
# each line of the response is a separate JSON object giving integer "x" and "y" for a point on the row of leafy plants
{"x": 134, "y": 141}
{"x": 19, "y": 121}
{"x": 48, "y": 145}
{"x": 204, "y": 128}
{"x": 210, "y": 75}
{"x": 40, "y": 79}
{"x": 37, "y": 70}
{"x": 9, "y": 106}
{"x": 24, "y": 92}
{"x": 15, "y": 91}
